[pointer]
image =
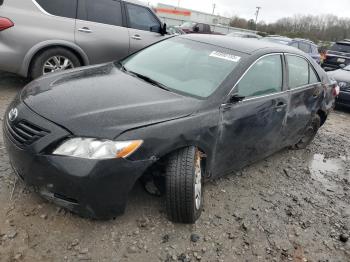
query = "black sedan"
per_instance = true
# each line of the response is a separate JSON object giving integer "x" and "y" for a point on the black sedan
{"x": 342, "y": 76}
{"x": 182, "y": 111}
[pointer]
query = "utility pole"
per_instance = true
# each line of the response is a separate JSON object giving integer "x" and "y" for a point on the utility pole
{"x": 214, "y": 6}
{"x": 256, "y": 17}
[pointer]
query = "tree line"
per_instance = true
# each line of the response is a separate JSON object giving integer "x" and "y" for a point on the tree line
{"x": 316, "y": 28}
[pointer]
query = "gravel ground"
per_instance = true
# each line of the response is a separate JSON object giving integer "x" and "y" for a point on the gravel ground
{"x": 293, "y": 206}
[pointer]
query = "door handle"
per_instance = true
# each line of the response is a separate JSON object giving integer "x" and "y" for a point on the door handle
{"x": 280, "y": 105}
{"x": 136, "y": 37}
{"x": 85, "y": 30}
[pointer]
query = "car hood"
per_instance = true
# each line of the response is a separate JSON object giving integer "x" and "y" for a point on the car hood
{"x": 102, "y": 101}
{"x": 340, "y": 75}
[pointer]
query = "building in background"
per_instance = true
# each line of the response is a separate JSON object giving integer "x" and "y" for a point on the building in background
{"x": 173, "y": 15}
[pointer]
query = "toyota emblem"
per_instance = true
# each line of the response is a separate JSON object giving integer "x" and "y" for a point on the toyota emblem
{"x": 13, "y": 114}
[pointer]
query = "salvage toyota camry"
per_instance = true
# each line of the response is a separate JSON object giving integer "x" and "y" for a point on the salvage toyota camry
{"x": 182, "y": 111}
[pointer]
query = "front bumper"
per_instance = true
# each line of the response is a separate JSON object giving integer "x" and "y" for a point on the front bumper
{"x": 91, "y": 188}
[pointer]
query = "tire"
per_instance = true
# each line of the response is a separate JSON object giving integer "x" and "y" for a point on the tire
{"x": 183, "y": 175}
{"x": 37, "y": 67}
{"x": 310, "y": 133}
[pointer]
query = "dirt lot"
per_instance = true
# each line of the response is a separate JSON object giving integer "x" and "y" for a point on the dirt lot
{"x": 293, "y": 206}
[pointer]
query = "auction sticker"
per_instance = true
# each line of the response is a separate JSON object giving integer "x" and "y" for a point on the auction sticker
{"x": 224, "y": 56}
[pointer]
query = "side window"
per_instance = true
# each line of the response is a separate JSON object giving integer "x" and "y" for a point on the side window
{"x": 305, "y": 47}
{"x": 103, "y": 11}
{"x": 298, "y": 71}
{"x": 141, "y": 18}
{"x": 313, "y": 76}
{"x": 65, "y": 8}
{"x": 264, "y": 77}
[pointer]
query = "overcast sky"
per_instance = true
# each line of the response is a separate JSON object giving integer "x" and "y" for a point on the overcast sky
{"x": 271, "y": 9}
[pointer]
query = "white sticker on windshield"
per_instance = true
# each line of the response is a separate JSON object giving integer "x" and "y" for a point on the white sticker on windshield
{"x": 228, "y": 57}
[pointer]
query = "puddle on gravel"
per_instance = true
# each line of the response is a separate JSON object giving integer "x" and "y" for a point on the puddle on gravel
{"x": 323, "y": 169}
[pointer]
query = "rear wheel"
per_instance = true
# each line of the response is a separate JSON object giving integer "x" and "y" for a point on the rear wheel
{"x": 184, "y": 185}
{"x": 53, "y": 60}
{"x": 310, "y": 133}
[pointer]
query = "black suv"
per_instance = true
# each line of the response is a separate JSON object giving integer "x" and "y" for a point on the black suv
{"x": 338, "y": 56}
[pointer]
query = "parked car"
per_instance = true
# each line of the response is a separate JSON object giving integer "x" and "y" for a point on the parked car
{"x": 184, "y": 110}
{"x": 175, "y": 30}
{"x": 197, "y": 28}
{"x": 244, "y": 35}
{"x": 337, "y": 56}
{"x": 304, "y": 45}
{"x": 342, "y": 76}
{"x": 39, "y": 37}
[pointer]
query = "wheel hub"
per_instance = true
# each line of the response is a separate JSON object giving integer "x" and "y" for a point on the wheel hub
{"x": 198, "y": 183}
{"x": 57, "y": 63}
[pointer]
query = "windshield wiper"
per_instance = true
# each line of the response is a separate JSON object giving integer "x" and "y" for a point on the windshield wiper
{"x": 148, "y": 79}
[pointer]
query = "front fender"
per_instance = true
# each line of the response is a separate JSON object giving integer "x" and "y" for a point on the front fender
{"x": 50, "y": 43}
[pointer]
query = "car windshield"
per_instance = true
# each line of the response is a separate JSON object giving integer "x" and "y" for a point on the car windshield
{"x": 341, "y": 48}
{"x": 184, "y": 66}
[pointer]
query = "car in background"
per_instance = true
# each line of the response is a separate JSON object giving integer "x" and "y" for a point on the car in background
{"x": 244, "y": 35}
{"x": 84, "y": 137}
{"x": 337, "y": 56}
{"x": 175, "y": 30}
{"x": 342, "y": 76}
{"x": 307, "y": 46}
{"x": 39, "y": 36}
{"x": 197, "y": 28}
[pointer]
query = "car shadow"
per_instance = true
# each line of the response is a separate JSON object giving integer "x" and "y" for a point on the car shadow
{"x": 9, "y": 80}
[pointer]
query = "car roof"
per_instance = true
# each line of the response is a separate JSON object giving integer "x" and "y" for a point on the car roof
{"x": 243, "y": 45}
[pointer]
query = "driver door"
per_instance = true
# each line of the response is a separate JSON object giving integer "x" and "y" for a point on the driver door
{"x": 144, "y": 27}
{"x": 252, "y": 128}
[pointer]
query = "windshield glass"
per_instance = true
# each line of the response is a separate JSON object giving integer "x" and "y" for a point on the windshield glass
{"x": 341, "y": 48}
{"x": 183, "y": 65}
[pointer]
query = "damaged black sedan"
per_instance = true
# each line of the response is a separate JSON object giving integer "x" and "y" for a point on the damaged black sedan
{"x": 184, "y": 110}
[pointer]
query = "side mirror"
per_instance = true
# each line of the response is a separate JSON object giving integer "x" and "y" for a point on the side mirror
{"x": 235, "y": 98}
{"x": 163, "y": 30}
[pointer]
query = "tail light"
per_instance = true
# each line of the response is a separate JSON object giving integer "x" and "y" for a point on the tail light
{"x": 5, "y": 23}
{"x": 336, "y": 90}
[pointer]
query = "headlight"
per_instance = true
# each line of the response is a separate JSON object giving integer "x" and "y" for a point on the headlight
{"x": 91, "y": 148}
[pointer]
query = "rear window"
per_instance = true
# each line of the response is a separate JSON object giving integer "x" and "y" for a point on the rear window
{"x": 103, "y": 11}
{"x": 65, "y": 8}
{"x": 341, "y": 48}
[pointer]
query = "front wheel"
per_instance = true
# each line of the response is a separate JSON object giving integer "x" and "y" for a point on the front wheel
{"x": 53, "y": 60}
{"x": 184, "y": 185}
{"x": 310, "y": 133}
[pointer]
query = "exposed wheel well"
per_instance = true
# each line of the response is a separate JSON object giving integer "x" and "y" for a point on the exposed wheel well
{"x": 322, "y": 115}
{"x": 40, "y": 51}
{"x": 157, "y": 170}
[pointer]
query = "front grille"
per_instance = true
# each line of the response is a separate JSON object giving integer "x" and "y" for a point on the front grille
{"x": 24, "y": 133}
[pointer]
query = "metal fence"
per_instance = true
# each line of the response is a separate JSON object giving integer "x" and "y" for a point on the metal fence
{"x": 215, "y": 28}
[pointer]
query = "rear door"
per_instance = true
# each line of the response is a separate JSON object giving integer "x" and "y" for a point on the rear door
{"x": 252, "y": 129}
{"x": 100, "y": 30}
{"x": 306, "y": 93}
{"x": 144, "y": 26}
